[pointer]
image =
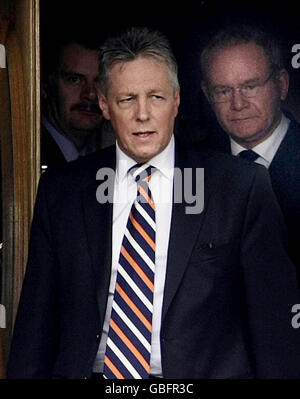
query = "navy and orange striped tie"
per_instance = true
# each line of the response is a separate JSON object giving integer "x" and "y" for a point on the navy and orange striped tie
{"x": 128, "y": 347}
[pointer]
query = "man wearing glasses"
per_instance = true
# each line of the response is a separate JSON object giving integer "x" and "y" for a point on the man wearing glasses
{"x": 245, "y": 82}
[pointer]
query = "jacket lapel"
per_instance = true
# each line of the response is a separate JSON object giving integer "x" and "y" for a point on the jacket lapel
{"x": 287, "y": 155}
{"x": 185, "y": 229}
{"x": 98, "y": 226}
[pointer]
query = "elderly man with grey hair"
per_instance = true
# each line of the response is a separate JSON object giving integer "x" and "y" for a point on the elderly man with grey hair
{"x": 245, "y": 81}
{"x": 126, "y": 279}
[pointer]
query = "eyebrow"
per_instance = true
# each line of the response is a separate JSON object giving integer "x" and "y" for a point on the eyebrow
{"x": 152, "y": 91}
{"x": 252, "y": 80}
{"x": 126, "y": 94}
{"x": 156, "y": 91}
{"x": 70, "y": 72}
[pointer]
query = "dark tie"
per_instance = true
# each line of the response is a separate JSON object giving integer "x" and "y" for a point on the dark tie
{"x": 128, "y": 347}
{"x": 249, "y": 155}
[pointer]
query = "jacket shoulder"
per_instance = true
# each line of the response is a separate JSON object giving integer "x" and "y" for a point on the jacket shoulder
{"x": 83, "y": 169}
{"x": 222, "y": 170}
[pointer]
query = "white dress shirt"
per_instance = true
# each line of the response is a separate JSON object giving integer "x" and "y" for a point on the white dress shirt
{"x": 67, "y": 147}
{"x": 125, "y": 191}
{"x": 268, "y": 148}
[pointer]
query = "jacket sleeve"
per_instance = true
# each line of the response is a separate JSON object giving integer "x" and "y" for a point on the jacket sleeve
{"x": 270, "y": 285}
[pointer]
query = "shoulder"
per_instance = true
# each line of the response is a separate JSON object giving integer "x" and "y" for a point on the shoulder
{"x": 217, "y": 164}
{"x": 294, "y": 125}
{"x": 76, "y": 175}
{"x": 288, "y": 153}
{"x": 227, "y": 177}
{"x": 293, "y": 133}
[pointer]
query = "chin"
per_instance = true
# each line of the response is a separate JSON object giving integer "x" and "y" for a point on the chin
{"x": 253, "y": 138}
{"x": 140, "y": 159}
{"x": 87, "y": 127}
{"x": 244, "y": 133}
{"x": 87, "y": 124}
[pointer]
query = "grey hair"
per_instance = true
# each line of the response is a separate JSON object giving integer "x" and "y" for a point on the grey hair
{"x": 131, "y": 44}
{"x": 243, "y": 35}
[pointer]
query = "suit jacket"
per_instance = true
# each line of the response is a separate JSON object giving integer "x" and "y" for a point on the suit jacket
{"x": 51, "y": 154}
{"x": 285, "y": 177}
{"x": 228, "y": 292}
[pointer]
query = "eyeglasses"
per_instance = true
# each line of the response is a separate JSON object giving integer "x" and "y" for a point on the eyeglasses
{"x": 225, "y": 94}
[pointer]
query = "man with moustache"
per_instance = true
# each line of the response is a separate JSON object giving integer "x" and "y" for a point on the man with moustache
{"x": 139, "y": 287}
{"x": 72, "y": 122}
{"x": 245, "y": 82}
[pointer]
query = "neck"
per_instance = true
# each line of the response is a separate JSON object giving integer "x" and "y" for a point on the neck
{"x": 80, "y": 138}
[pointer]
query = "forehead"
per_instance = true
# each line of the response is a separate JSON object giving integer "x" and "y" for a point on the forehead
{"x": 237, "y": 63}
{"x": 79, "y": 59}
{"x": 140, "y": 74}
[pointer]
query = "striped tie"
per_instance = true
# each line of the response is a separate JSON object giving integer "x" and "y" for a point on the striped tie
{"x": 129, "y": 338}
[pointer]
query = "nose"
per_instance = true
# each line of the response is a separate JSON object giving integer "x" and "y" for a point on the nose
{"x": 142, "y": 110}
{"x": 89, "y": 92}
{"x": 238, "y": 101}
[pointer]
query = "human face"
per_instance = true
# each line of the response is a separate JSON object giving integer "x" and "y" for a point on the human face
{"x": 141, "y": 104}
{"x": 248, "y": 121}
{"x": 76, "y": 105}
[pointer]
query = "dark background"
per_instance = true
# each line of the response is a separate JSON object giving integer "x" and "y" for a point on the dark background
{"x": 187, "y": 25}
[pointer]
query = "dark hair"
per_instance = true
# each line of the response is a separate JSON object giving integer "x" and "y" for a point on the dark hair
{"x": 242, "y": 35}
{"x": 54, "y": 46}
{"x": 128, "y": 46}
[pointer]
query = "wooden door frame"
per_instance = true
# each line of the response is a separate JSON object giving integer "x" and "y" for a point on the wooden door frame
{"x": 20, "y": 141}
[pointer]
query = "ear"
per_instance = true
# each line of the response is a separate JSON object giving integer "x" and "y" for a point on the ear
{"x": 102, "y": 101}
{"x": 177, "y": 101}
{"x": 283, "y": 80}
{"x": 205, "y": 90}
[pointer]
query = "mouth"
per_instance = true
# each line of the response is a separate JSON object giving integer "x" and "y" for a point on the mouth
{"x": 143, "y": 135}
{"x": 240, "y": 119}
{"x": 88, "y": 110}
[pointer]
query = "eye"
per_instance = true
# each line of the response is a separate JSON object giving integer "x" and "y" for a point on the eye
{"x": 126, "y": 100}
{"x": 157, "y": 97}
{"x": 220, "y": 92}
{"x": 250, "y": 86}
{"x": 72, "y": 79}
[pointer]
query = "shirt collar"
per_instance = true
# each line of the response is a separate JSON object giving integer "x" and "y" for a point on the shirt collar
{"x": 268, "y": 147}
{"x": 66, "y": 146}
{"x": 164, "y": 161}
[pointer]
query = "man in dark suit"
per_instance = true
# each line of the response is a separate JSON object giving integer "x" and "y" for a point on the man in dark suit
{"x": 72, "y": 122}
{"x": 223, "y": 284}
{"x": 245, "y": 81}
